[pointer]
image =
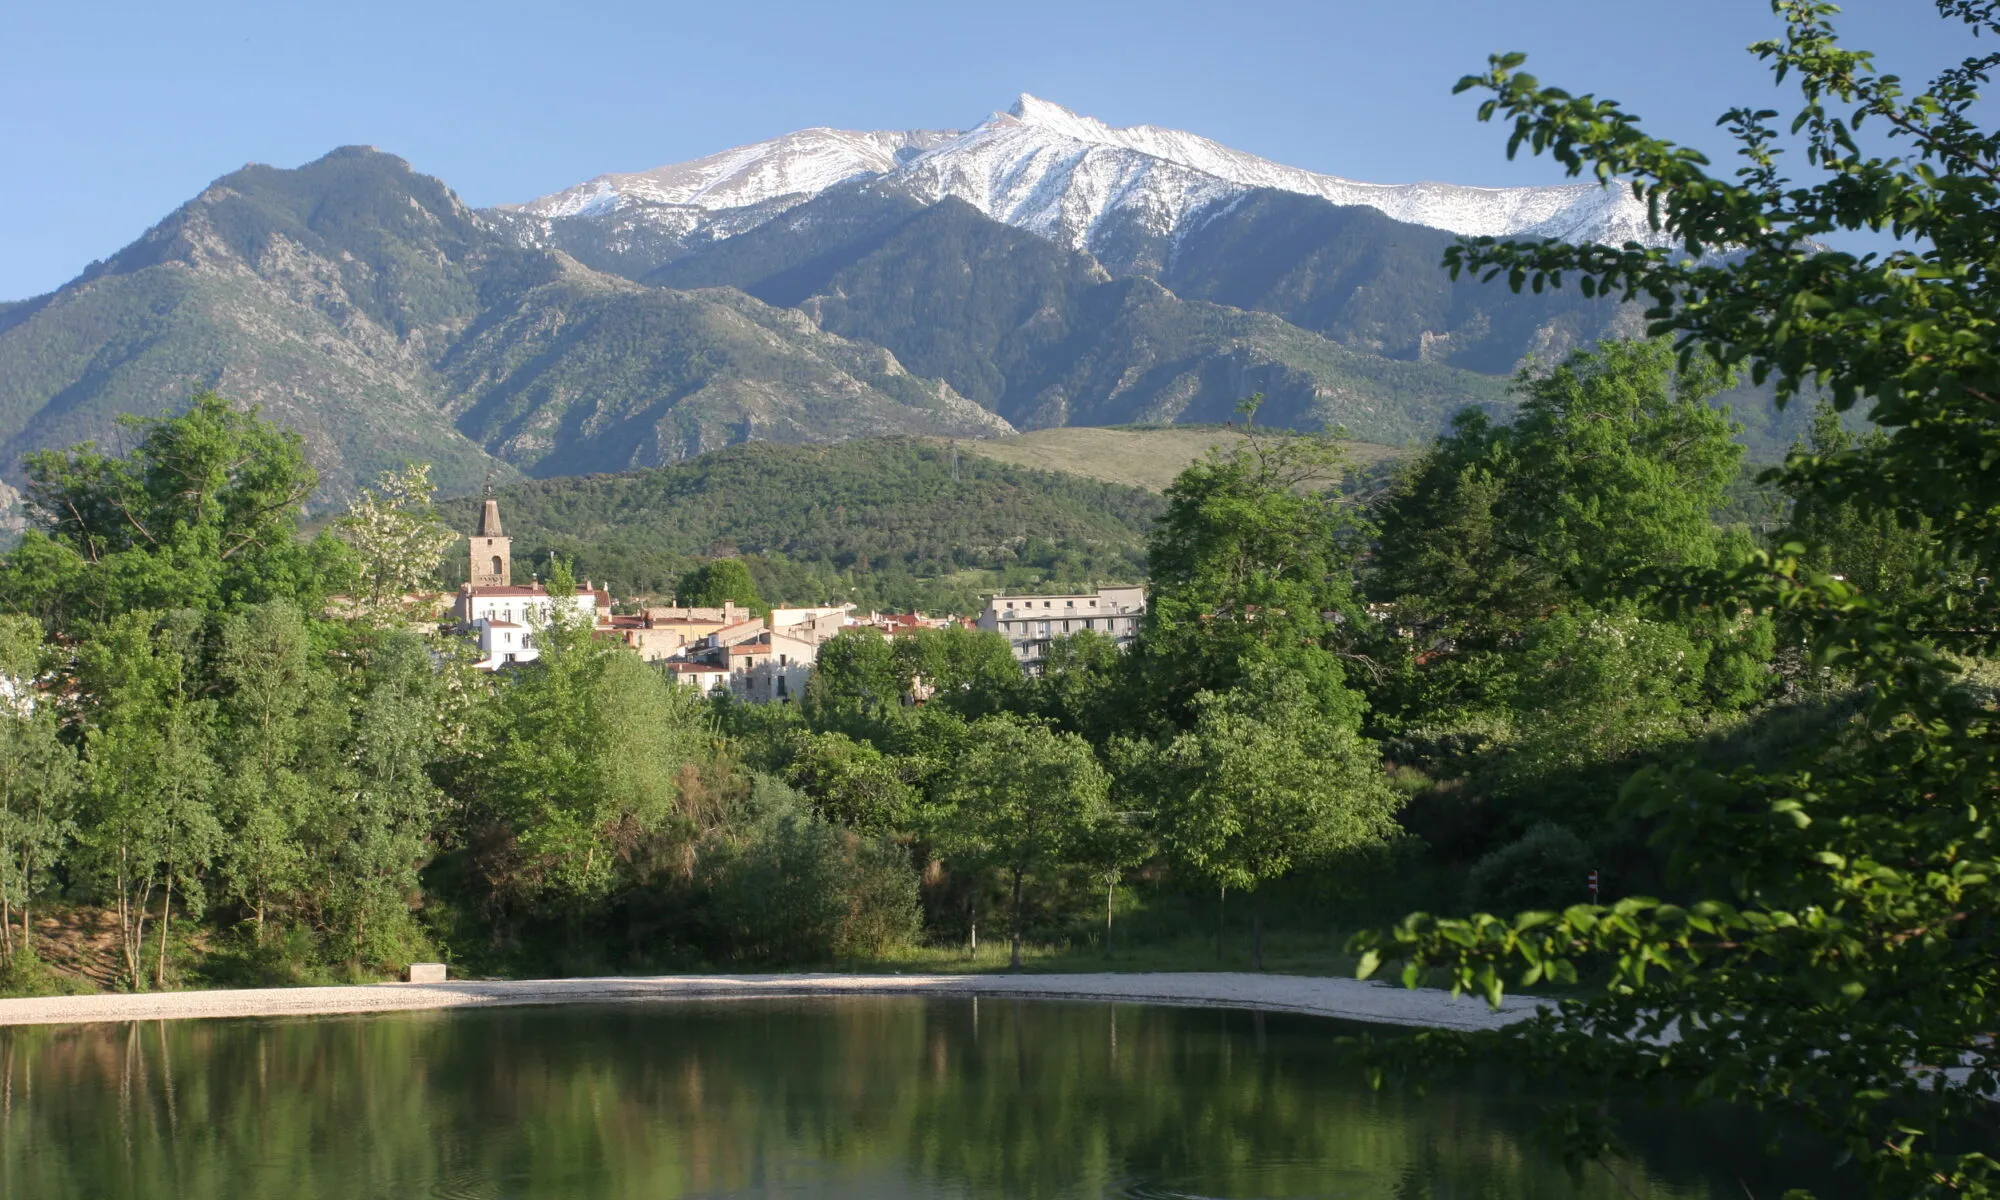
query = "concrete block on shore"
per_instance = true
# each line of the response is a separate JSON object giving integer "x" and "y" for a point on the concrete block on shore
{"x": 426, "y": 973}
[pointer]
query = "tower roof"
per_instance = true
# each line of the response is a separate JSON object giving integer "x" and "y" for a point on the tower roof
{"x": 489, "y": 519}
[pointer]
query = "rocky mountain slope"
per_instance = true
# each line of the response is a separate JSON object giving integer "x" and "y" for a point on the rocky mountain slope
{"x": 365, "y": 306}
{"x": 1045, "y": 336}
{"x": 1040, "y": 270}
{"x": 1357, "y": 263}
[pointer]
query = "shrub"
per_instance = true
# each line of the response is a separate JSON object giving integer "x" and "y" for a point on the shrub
{"x": 1545, "y": 869}
{"x": 24, "y": 974}
{"x": 799, "y": 890}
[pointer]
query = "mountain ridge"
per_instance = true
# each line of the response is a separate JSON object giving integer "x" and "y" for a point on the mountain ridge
{"x": 338, "y": 295}
{"x": 1037, "y": 166}
{"x": 817, "y": 287}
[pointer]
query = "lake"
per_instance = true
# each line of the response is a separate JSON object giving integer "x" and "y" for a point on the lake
{"x": 881, "y": 1097}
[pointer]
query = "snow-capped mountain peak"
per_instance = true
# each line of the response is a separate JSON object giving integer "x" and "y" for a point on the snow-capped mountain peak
{"x": 800, "y": 164}
{"x": 1066, "y": 176}
{"x": 1047, "y": 168}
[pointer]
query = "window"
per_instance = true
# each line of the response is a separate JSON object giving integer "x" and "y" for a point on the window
{"x": 496, "y": 564}
{"x": 1093, "y": 604}
{"x": 1065, "y": 626}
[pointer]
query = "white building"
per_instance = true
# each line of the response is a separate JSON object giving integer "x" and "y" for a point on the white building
{"x": 1032, "y": 622}
{"x": 814, "y": 625}
{"x": 504, "y": 618}
{"x": 701, "y": 676}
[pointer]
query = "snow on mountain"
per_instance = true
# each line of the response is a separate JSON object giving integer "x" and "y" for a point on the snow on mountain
{"x": 1043, "y": 168}
{"x": 798, "y": 164}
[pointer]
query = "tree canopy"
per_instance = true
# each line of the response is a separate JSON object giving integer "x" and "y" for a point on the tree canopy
{"x": 1833, "y": 962}
{"x": 202, "y": 513}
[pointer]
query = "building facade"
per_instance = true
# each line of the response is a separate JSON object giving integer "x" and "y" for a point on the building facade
{"x": 502, "y": 617}
{"x": 1030, "y": 623}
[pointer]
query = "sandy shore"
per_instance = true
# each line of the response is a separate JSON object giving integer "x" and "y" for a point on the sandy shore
{"x": 1348, "y": 999}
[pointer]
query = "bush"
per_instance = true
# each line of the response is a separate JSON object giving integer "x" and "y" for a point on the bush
{"x": 1545, "y": 869}
{"x": 24, "y": 974}
{"x": 799, "y": 890}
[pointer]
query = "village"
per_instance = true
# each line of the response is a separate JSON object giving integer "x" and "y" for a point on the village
{"x": 758, "y": 659}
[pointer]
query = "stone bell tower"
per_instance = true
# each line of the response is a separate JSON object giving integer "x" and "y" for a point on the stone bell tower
{"x": 492, "y": 558}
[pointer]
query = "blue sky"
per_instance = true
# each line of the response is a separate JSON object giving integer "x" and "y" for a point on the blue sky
{"x": 112, "y": 113}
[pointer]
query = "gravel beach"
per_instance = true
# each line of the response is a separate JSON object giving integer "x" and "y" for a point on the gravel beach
{"x": 1347, "y": 999}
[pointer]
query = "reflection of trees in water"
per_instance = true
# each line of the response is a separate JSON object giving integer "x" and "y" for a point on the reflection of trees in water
{"x": 1025, "y": 1099}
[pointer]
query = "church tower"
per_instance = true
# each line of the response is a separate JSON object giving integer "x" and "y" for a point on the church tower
{"x": 492, "y": 560}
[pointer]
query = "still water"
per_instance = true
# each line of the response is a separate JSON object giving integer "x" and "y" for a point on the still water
{"x": 842, "y": 1098}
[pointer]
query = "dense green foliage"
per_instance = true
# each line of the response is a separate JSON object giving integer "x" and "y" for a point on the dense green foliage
{"x": 248, "y": 759}
{"x": 886, "y": 522}
{"x": 722, "y": 582}
{"x": 201, "y": 515}
{"x": 1828, "y": 951}
{"x": 1573, "y": 639}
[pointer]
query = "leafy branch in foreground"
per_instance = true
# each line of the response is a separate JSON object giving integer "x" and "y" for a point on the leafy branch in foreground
{"x": 1839, "y": 966}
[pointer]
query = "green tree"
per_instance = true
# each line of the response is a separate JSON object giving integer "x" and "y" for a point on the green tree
{"x": 1266, "y": 781}
{"x": 203, "y": 513}
{"x": 801, "y": 890}
{"x": 855, "y": 680}
{"x": 38, "y": 782}
{"x": 1614, "y": 465}
{"x": 1251, "y": 566}
{"x": 1085, "y": 686}
{"x": 724, "y": 581}
{"x": 1615, "y": 462}
{"x": 1018, "y": 797}
{"x": 582, "y": 751}
{"x": 1846, "y": 536}
{"x": 397, "y": 541}
{"x": 973, "y": 670}
{"x": 1836, "y": 966}
{"x": 852, "y": 783}
{"x": 378, "y": 833}
{"x": 148, "y": 823}
{"x": 1115, "y": 843}
{"x": 281, "y": 743}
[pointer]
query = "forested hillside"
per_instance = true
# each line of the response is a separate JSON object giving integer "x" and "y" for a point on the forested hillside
{"x": 1148, "y": 456}
{"x": 881, "y": 521}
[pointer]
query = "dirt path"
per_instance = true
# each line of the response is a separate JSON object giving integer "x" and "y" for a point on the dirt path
{"x": 1348, "y": 999}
